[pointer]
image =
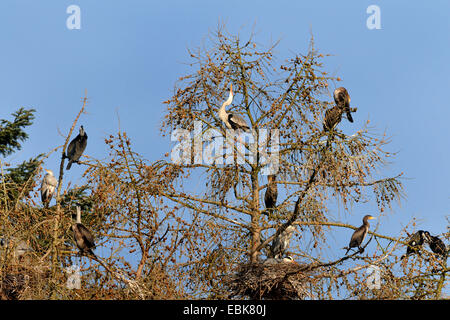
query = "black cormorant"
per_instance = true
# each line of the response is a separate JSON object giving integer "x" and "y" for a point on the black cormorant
{"x": 76, "y": 148}
{"x": 359, "y": 235}
{"x": 332, "y": 117}
{"x": 270, "y": 198}
{"x": 436, "y": 244}
{"x": 342, "y": 100}
{"x": 415, "y": 242}
{"x": 83, "y": 237}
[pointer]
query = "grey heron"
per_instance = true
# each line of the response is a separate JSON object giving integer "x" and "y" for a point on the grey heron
{"x": 359, "y": 235}
{"x": 232, "y": 120}
{"x": 19, "y": 247}
{"x": 48, "y": 187}
{"x": 273, "y": 261}
{"x": 281, "y": 243}
{"x": 76, "y": 148}
{"x": 288, "y": 259}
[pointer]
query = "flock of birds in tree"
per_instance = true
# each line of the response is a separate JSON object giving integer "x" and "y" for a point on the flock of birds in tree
{"x": 84, "y": 238}
{"x": 332, "y": 118}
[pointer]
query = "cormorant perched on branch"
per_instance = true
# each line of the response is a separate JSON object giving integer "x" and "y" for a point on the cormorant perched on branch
{"x": 270, "y": 198}
{"x": 76, "y": 148}
{"x": 231, "y": 120}
{"x": 436, "y": 244}
{"x": 342, "y": 100}
{"x": 281, "y": 243}
{"x": 359, "y": 235}
{"x": 48, "y": 187}
{"x": 415, "y": 242}
{"x": 334, "y": 115}
{"x": 83, "y": 237}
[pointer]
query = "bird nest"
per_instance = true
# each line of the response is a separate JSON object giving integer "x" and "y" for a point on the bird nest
{"x": 16, "y": 282}
{"x": 12, "y": 285}
{"x": 275, "y": 281}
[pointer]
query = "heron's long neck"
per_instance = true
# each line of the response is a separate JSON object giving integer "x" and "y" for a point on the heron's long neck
{"x": 223, "y": 115}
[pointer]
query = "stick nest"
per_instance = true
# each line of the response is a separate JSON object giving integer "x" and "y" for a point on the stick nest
{"x": 275, "y": 281}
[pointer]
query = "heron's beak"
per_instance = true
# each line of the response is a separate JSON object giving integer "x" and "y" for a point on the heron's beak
{"x": 372, "y": 218}
{"x": 231, "y": 88}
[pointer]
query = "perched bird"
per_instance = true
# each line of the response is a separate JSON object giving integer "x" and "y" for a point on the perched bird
{"x": 48, "y": 187}
{"x": 12, "y": 285}
{"x": 288, "y": 259}
{"x": 271, "y": 261}
{"x": 342, "y": 100}
{"x": 359, "y": 235}
{"x": 83, "y": 237}
{"x": 415, "y": 242}
{"x": 436, "y": 244}
{"x": 332, "y": 118}
{"x": 76, "y": 148}
{"x": 231, "y": 120}
{"x": 21, "y": 248}
{"x": 281, "y": 243}
{"x": 17, "y": 246}
{"x": 270, "y": 198}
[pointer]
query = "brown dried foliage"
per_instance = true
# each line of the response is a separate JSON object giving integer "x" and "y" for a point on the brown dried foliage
{"x": 166, "y": 231}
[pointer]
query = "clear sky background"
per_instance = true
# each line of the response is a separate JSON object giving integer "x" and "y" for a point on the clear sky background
{"x": 128, "y": 55}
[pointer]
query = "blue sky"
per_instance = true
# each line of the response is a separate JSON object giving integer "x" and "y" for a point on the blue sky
{"x": 128, "y": 55}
